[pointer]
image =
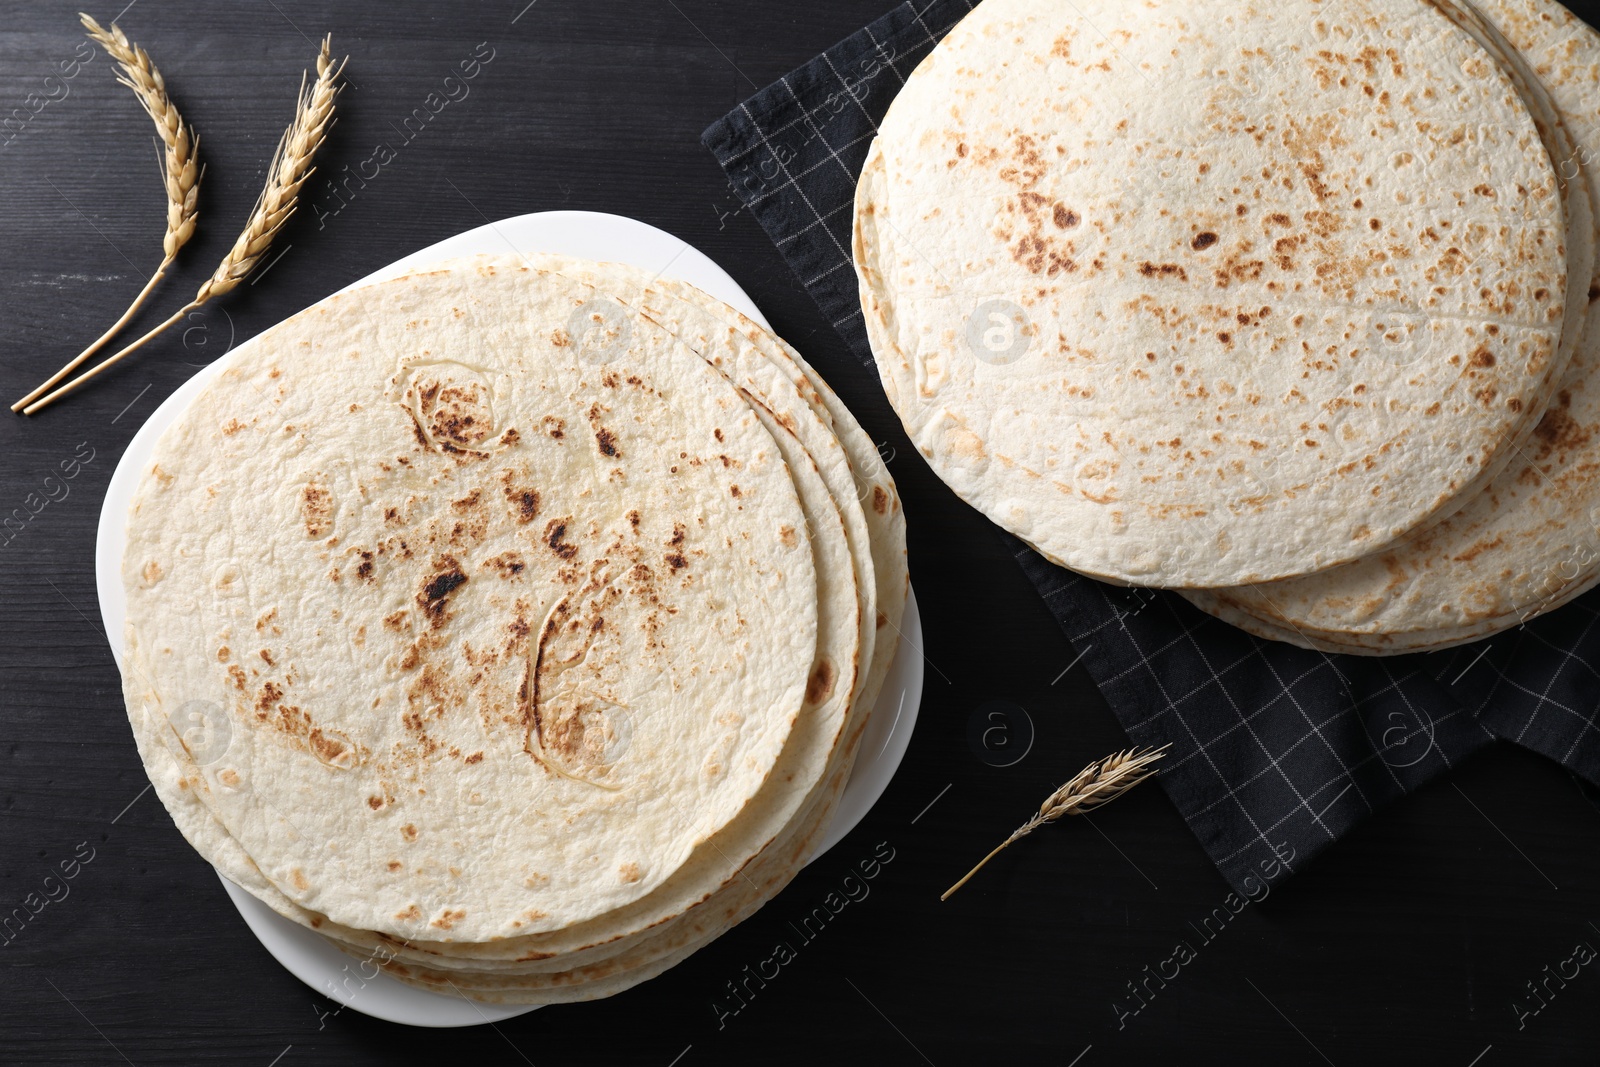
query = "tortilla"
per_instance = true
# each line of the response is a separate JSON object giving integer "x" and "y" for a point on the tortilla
{"x": 1530, "y": 541}
{"x": 405, "y": 635}
{"x": 1187, "y": 300}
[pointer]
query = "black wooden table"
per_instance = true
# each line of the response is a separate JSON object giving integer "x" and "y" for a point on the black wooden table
{"x": 1415, "y": 941}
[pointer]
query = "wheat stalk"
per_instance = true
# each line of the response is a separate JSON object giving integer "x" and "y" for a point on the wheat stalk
{"x": 291, "y": 166}
{"x": 183, "y": 173}
{"x": 1095, "y": 786}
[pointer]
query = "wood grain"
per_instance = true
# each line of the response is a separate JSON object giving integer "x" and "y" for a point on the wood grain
{"x": 1408, "y": 943}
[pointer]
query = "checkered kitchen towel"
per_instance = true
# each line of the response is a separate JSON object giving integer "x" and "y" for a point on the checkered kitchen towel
{"x": 1276, "y": 750}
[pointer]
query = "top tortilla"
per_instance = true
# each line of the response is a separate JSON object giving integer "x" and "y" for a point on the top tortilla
{"x": 1531, "y": 540}
{"x": 444, "y": 725}
{"x": 1201, "y": 300}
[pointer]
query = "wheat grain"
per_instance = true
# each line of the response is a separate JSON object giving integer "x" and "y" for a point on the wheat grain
{"x": 180, "y": 162}
{"x": 1096, "y": 785}
{"x": 181, "y": 148}
{"x": 291, "y": 166}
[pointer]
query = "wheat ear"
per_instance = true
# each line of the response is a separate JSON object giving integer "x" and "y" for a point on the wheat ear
{"x": 1095, "y": 786}
{"x": 291, "y": 166}
{"x": 183, "y": 172}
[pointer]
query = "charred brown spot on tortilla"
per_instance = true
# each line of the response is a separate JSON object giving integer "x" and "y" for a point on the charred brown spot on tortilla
{"x": 1034, "y": 253}
{"x": 508, "y": 564}
{"x": 447, "y": 577}
{"x": 1558, "y": 431}
{"x": 461, "y": 417}
{"x": 316, "y": 509}
{"x": 880, "y": 500}
{"x": 441, "y": 586}
{"x": 560, "y": 339}
{"x": 409, "y": 832}
{"x": 554, "y": 425}
{"x": 1163, "y": 270}
{"x": 267, "y": 699}
{"x": 603, "y": 437}
{"x": 1203, "y": 241}
{"x": 293, "y": 719}
{"x": 555, "y": 534}
{"x": 375, "y": 803}
{"x": 820, "y": 683}
{"x": 523, "y": 500}
{"x": 330, "y": 747}
{"x": 528, "y": 691}
{"x": 674, "y": 557}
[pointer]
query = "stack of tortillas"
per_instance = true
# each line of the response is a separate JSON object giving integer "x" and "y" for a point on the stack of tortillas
{"x": 1280, "y": 304}
{"x": 513, "y": 623}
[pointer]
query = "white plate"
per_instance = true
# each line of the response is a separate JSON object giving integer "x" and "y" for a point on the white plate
{"x": 590, "y": 235}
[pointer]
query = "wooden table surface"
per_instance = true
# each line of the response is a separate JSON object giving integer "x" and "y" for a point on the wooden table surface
{"x": 1414, "y": 941}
